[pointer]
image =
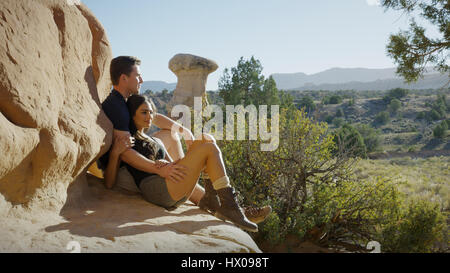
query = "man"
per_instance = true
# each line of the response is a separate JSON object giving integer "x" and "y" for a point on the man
{"x": 126, "y": 80}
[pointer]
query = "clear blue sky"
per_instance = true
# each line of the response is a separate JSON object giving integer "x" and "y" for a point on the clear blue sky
{"x": 287, "y": 36}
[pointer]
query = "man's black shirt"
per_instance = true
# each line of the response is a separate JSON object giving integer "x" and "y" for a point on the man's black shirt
{"x": 116, "y": 110}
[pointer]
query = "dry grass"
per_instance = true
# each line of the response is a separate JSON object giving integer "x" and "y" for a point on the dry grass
{"x": 427, "y": 178}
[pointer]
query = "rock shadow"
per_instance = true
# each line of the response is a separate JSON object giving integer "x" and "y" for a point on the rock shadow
{"x": 109, "y": 214}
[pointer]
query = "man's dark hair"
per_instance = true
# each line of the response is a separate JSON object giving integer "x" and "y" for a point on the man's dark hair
{"x": 122, "y": 65}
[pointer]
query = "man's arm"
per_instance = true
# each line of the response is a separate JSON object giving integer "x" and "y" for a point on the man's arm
{"x": 119, "y": 145}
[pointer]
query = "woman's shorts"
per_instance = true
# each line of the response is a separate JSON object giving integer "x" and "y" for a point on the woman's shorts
{"x": 154, "y": 189}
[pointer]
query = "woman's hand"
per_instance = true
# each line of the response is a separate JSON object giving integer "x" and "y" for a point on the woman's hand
{"x": 161, "y": 163}
{"x": 173, "y": 172}
{"x": 121, "y": 144}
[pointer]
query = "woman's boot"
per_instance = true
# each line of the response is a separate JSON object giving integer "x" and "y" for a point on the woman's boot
{"x": 209, "y": 201}
{"x": 230, "y": 210}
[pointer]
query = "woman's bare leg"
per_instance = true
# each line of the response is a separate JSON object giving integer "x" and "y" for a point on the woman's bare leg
{"x": 172, "y": 144}
{"x": 175, "y": 150}
{"x": 200, "y": 155}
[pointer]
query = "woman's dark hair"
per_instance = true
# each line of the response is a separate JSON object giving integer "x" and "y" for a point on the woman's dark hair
{"x": 122, "y": 65}
{"x": 133, "y": 103}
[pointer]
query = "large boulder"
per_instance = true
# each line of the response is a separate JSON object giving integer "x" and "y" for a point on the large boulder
{"x": 54, "y": 73}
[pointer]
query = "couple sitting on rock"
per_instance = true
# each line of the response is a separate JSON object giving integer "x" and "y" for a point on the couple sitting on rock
{"x": 163, "y": 174}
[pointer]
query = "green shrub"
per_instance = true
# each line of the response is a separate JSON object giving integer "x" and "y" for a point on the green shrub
{"x": 434, "y": 115}
{"x": 398, "y": 93}
{"x": 329, "y": 119}
{"x": 371, "y": 137}
{"x": 347, "y": 210}
{"x": 333, "y": 99}
{"x": 382, "y": 118}
{"x": 421, "y": 115}
{"x": 350, "y": 139}
{"x": 394, "y": 106}
{"x": 338, "y": 122}
{"x": 339, "y": 113}
{"x": 438, "y": 108}
{"x": 440, "y": 130}
{"x": 270, "y": 230}
{"x": 420, "y": 225}
{"x": 314, "y": 194}
{"x": 307, "y": 103}
{"x": 351, "y": 101}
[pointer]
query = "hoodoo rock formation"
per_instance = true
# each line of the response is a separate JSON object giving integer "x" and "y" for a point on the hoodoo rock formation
{"x": 192, "y": 73}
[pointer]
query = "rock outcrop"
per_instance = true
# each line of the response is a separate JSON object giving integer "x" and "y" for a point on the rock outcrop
{"x": 114, "y": 221}
{"x": 192, "y": 73}
{"x": 54, "y": 73}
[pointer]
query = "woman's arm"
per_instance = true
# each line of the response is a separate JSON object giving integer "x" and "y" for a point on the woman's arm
{"x": 121, "y": 143}
{"x": 164, "y": 122}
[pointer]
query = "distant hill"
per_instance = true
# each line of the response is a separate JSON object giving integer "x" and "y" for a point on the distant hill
{"x": 356, "y": 79}
{"x": 157, "y": 86}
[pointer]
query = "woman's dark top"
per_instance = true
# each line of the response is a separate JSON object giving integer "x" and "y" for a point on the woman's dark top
{"x": 149, "y": 148}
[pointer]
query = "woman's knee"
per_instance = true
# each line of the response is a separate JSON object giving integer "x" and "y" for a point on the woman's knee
{"x": 208, "y": 147}
{"x": 208, "y": 138}
{"x": 166, "y": 135}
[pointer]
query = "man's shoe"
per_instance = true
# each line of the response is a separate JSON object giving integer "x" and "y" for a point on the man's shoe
{"x": 230, "y": 210}
{"x": 209, "y": 201}
{"x": 257, "y": 215}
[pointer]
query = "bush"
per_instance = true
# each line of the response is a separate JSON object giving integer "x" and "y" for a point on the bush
{"x": 419, "y": 227}
{"x": 371, "y": 137}
{"x": 350, "y": 139}
{"x": 338, "y": 122}
{"x": 434, "y": 115}
{"x": 314, "y": 194}
{"x": 283, "y": 178}
{"x": 440, "y": 130}
{"x": 351, "y": 101}
{"x": 382, "y": 118}
{"x": 421, "y": 115}
{"x": 334, "y": 99}
{"x": 394, "y": 106}
{"x": 398, "y": 93}
{"x": 329, "y": 119}
{"x": 438, "y": 109}
{"x": 307, "y": 103}
{"x": 339, "y": 113}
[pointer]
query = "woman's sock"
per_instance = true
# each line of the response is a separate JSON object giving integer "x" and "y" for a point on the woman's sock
{"x": 221, "y": 183}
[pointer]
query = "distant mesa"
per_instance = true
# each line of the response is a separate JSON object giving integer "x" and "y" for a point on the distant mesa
{"x": 356, "y": 79}
{"x": 157, "y": 86}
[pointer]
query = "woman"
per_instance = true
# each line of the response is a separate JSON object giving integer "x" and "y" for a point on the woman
{"x": 174, "y": 182}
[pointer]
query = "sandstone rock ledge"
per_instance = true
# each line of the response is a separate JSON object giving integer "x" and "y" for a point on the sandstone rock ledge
{"x": 113, "y": 221}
